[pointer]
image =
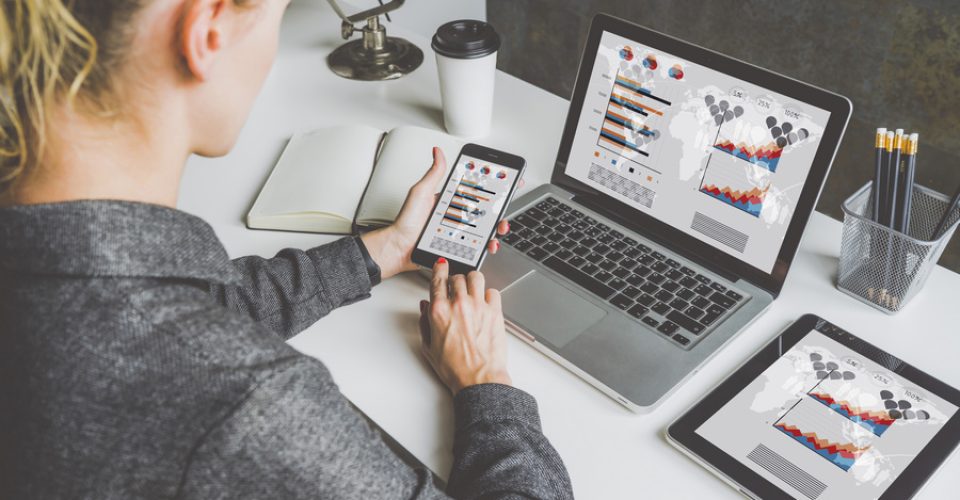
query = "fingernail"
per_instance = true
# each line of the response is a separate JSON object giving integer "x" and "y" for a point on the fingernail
{"x": 508, "y": 225}
{"x": 496, "y": 245}
{"x": 441, "y": 260}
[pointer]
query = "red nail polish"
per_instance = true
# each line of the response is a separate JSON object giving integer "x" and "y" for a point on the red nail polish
{"x": 508, "y": 226}
{"x": 496, "y": 245}
{"x": 441, "y": 260}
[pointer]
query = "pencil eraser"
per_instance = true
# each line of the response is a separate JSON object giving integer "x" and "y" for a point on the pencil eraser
{"x": 899, "y": 131}
{"x": 881, "y": 131}
{"x": 914, "y": 137}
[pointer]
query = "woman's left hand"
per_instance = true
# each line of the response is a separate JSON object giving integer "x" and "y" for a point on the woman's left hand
{"x": 392, "y": 247}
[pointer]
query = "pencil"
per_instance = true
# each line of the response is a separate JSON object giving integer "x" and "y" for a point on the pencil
{"x": 878, "y": 171}
{"x": 893, "y": 179}
{"x": 885, "y": 180}
{"x": 906, "y": 172}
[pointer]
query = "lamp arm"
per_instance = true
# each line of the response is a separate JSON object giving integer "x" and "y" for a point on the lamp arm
{"x": 376, "y": 11}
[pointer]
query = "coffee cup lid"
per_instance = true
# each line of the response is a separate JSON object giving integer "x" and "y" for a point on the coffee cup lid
{"x": 465, "y": 39}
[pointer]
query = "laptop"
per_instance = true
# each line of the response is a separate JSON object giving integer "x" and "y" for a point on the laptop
{"x": 681, "y": 190}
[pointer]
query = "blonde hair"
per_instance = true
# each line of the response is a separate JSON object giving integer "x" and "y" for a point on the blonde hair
{"x": 51, "y": 52}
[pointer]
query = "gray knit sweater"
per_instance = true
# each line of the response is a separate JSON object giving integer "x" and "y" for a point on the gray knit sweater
{"x": 137, "y": 360}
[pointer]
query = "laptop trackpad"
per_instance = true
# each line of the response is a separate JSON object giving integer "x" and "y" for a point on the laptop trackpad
{"x": 542, "y": 306}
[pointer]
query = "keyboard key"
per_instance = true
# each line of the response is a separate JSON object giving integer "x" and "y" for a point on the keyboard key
{"x": 686, "y": 270}
{"x": 628, "y": 263}
{"x": 649, "y": 287}
{"x": 523, "y": 246}
{"x": 603, "y": 276}
{"x": 631, "y": 292}
{"x": 718, "y": 287}
{"x": 595, "y": 258}
{"x": 578, "y": 277}
{"x": 551, "y": 247}
{"x": 564, "y": 229}
{"x": 538, "y": 253}
{"x": 615, "y": 256}
{"x": 657, "y": 278}
{"x": 649, "y": 320}
{"x": 709, "y": 319}
{"x": 588, "y": 242}
{"x": 658, "y": 255}
{"x": 608, "y": 265}
{"x": 703, "y": 279}
{"x": 630, "y": 241}
{"x": 621, "y": 273}
{"x": 686, "y": 322}
{"x": 526, "y": 233}
{"x": 659, "y": 267}
{"x": 679, "y": 304}
{"x": 644, "y": 248}
{"x": 675, "y": 275}
{"x": 526, "y": 220}
{"x": 642, "y": 270}
{"x": 605, "y": 238}
{"x": 543, "y": 230}
{"x": 616, "y": 234}
{"x": 638, "y": 311}
{"x": 568, "y": 243}
{"x": 553, "y": 212}
{"x": 511, "y": 238}
{"x": 681, "y": 339}
{"x": 661, "y": 308}
{"x": 590, "y": 269}
{"x": 553, "y": 201}
{"x": 536, "y": 213}
{"x": 539, "y": 240}
{"x": 722, "y": 299}
{"x": 668, "y": 328}
{"x": 633, "y": 253}
{"x": 670, "y": 286}
{"x": 556, "y": 237}
{"x": 694, "y": 312}
{"x": 618, "y": 245}
{"x": 552, "y": 222}
{"x": 601, "y": 249}
{"x": 575, "y": 261}
{"x": 617, "y": 284}
{"x": 635, "y": 280}
{"x": 686, "y": 294}
{"x": 703, "y": 290}
{"x": 621, "y": 301}
{"x": 734, "y": 295}
{"x": 646, "y": 300}
{"x": 563, "y": 253}
{"x": 689, "y": 282}
{"x": 664, "y": 296}
{"x": 672, "y": 263}
{"x": 716, "y": 309}
{"x": 701, "y": 302}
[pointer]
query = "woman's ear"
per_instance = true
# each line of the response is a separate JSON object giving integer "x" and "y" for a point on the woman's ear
{"x": 201, "y": 35}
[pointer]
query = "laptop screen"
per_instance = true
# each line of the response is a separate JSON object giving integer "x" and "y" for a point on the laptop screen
{"x": 719, "y": 158}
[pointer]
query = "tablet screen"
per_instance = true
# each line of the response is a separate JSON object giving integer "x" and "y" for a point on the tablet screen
{"x": 824, "y": 422}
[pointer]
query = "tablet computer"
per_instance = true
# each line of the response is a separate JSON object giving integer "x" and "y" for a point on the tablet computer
{"x": 820, "y": 414}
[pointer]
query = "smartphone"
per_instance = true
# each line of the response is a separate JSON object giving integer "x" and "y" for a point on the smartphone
{"x": 477, "y": 192}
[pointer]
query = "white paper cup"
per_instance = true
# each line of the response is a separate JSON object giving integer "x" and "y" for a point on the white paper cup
{"x": 467, "y": 66}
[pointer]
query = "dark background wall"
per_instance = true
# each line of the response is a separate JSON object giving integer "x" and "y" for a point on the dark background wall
{"x": 898, "y": 62}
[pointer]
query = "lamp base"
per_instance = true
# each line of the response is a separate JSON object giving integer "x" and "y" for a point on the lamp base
{"x": 356, "y": 61}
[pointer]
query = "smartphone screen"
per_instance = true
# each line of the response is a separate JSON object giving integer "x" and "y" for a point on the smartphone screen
{"x": 470, "y": 206}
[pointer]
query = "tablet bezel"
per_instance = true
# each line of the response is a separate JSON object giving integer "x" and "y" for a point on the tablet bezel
{"x": 719, "y": 261}
{"x": 683, "y": 430}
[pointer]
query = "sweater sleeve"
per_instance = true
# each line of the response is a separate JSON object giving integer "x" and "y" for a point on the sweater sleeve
{"x": 294, "y": 289}
{"x": 295, "y": 436}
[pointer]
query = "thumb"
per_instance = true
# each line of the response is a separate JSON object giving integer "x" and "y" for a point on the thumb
{"x": 434, "y": 175}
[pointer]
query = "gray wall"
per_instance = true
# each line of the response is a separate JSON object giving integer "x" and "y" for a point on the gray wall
{"x": 898, "y": 62}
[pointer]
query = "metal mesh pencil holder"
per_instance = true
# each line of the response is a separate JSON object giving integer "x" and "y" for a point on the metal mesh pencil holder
{"x": 883, "y": 267}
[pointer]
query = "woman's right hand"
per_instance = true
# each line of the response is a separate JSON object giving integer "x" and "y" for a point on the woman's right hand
{"x": 462, "y": 330}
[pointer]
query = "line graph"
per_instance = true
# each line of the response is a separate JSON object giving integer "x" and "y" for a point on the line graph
{"x": 876, "y": 422}
{"x": 750, "y": 201}
{"x": 767, "y": 155}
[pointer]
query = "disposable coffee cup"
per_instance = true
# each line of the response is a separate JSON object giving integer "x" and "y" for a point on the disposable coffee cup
{"x": 467, "y": 65}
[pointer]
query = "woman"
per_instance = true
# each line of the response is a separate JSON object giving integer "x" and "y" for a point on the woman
{"x": 137, "y": 360}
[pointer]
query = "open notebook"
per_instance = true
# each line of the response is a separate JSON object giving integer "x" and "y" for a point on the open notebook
{"x": 330, "y": 180}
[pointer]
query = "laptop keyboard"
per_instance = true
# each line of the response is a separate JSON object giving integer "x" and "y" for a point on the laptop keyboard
{"x": 653, "y": 288}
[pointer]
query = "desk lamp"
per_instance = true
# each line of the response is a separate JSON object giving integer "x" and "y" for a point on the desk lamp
{"x": 375, "y": 56}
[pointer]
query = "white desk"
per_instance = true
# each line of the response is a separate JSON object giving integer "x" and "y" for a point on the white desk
{"x": 372, "y": 347}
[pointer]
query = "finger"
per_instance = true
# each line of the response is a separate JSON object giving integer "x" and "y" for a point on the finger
{"x": 503, "y": 227}
{"x": 492, "y": 297}
{"x": 493, "y": 246}
{"x": 475, "y": 284}
{"x": 438, "y": 285}
{"x": 430, "y": 182}
{"x": 424, "y": 323}
{"x": 458, "y": 287}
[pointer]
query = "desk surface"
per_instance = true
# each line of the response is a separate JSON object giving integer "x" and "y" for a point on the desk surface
{"x": 372, "y": 347}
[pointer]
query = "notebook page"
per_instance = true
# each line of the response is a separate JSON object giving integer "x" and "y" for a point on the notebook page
{"x": 406, "y": 155}
{"x": 323, "y": 171}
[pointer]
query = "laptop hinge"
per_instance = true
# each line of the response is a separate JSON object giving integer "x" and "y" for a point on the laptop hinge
{"x": 591, "y": 203}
